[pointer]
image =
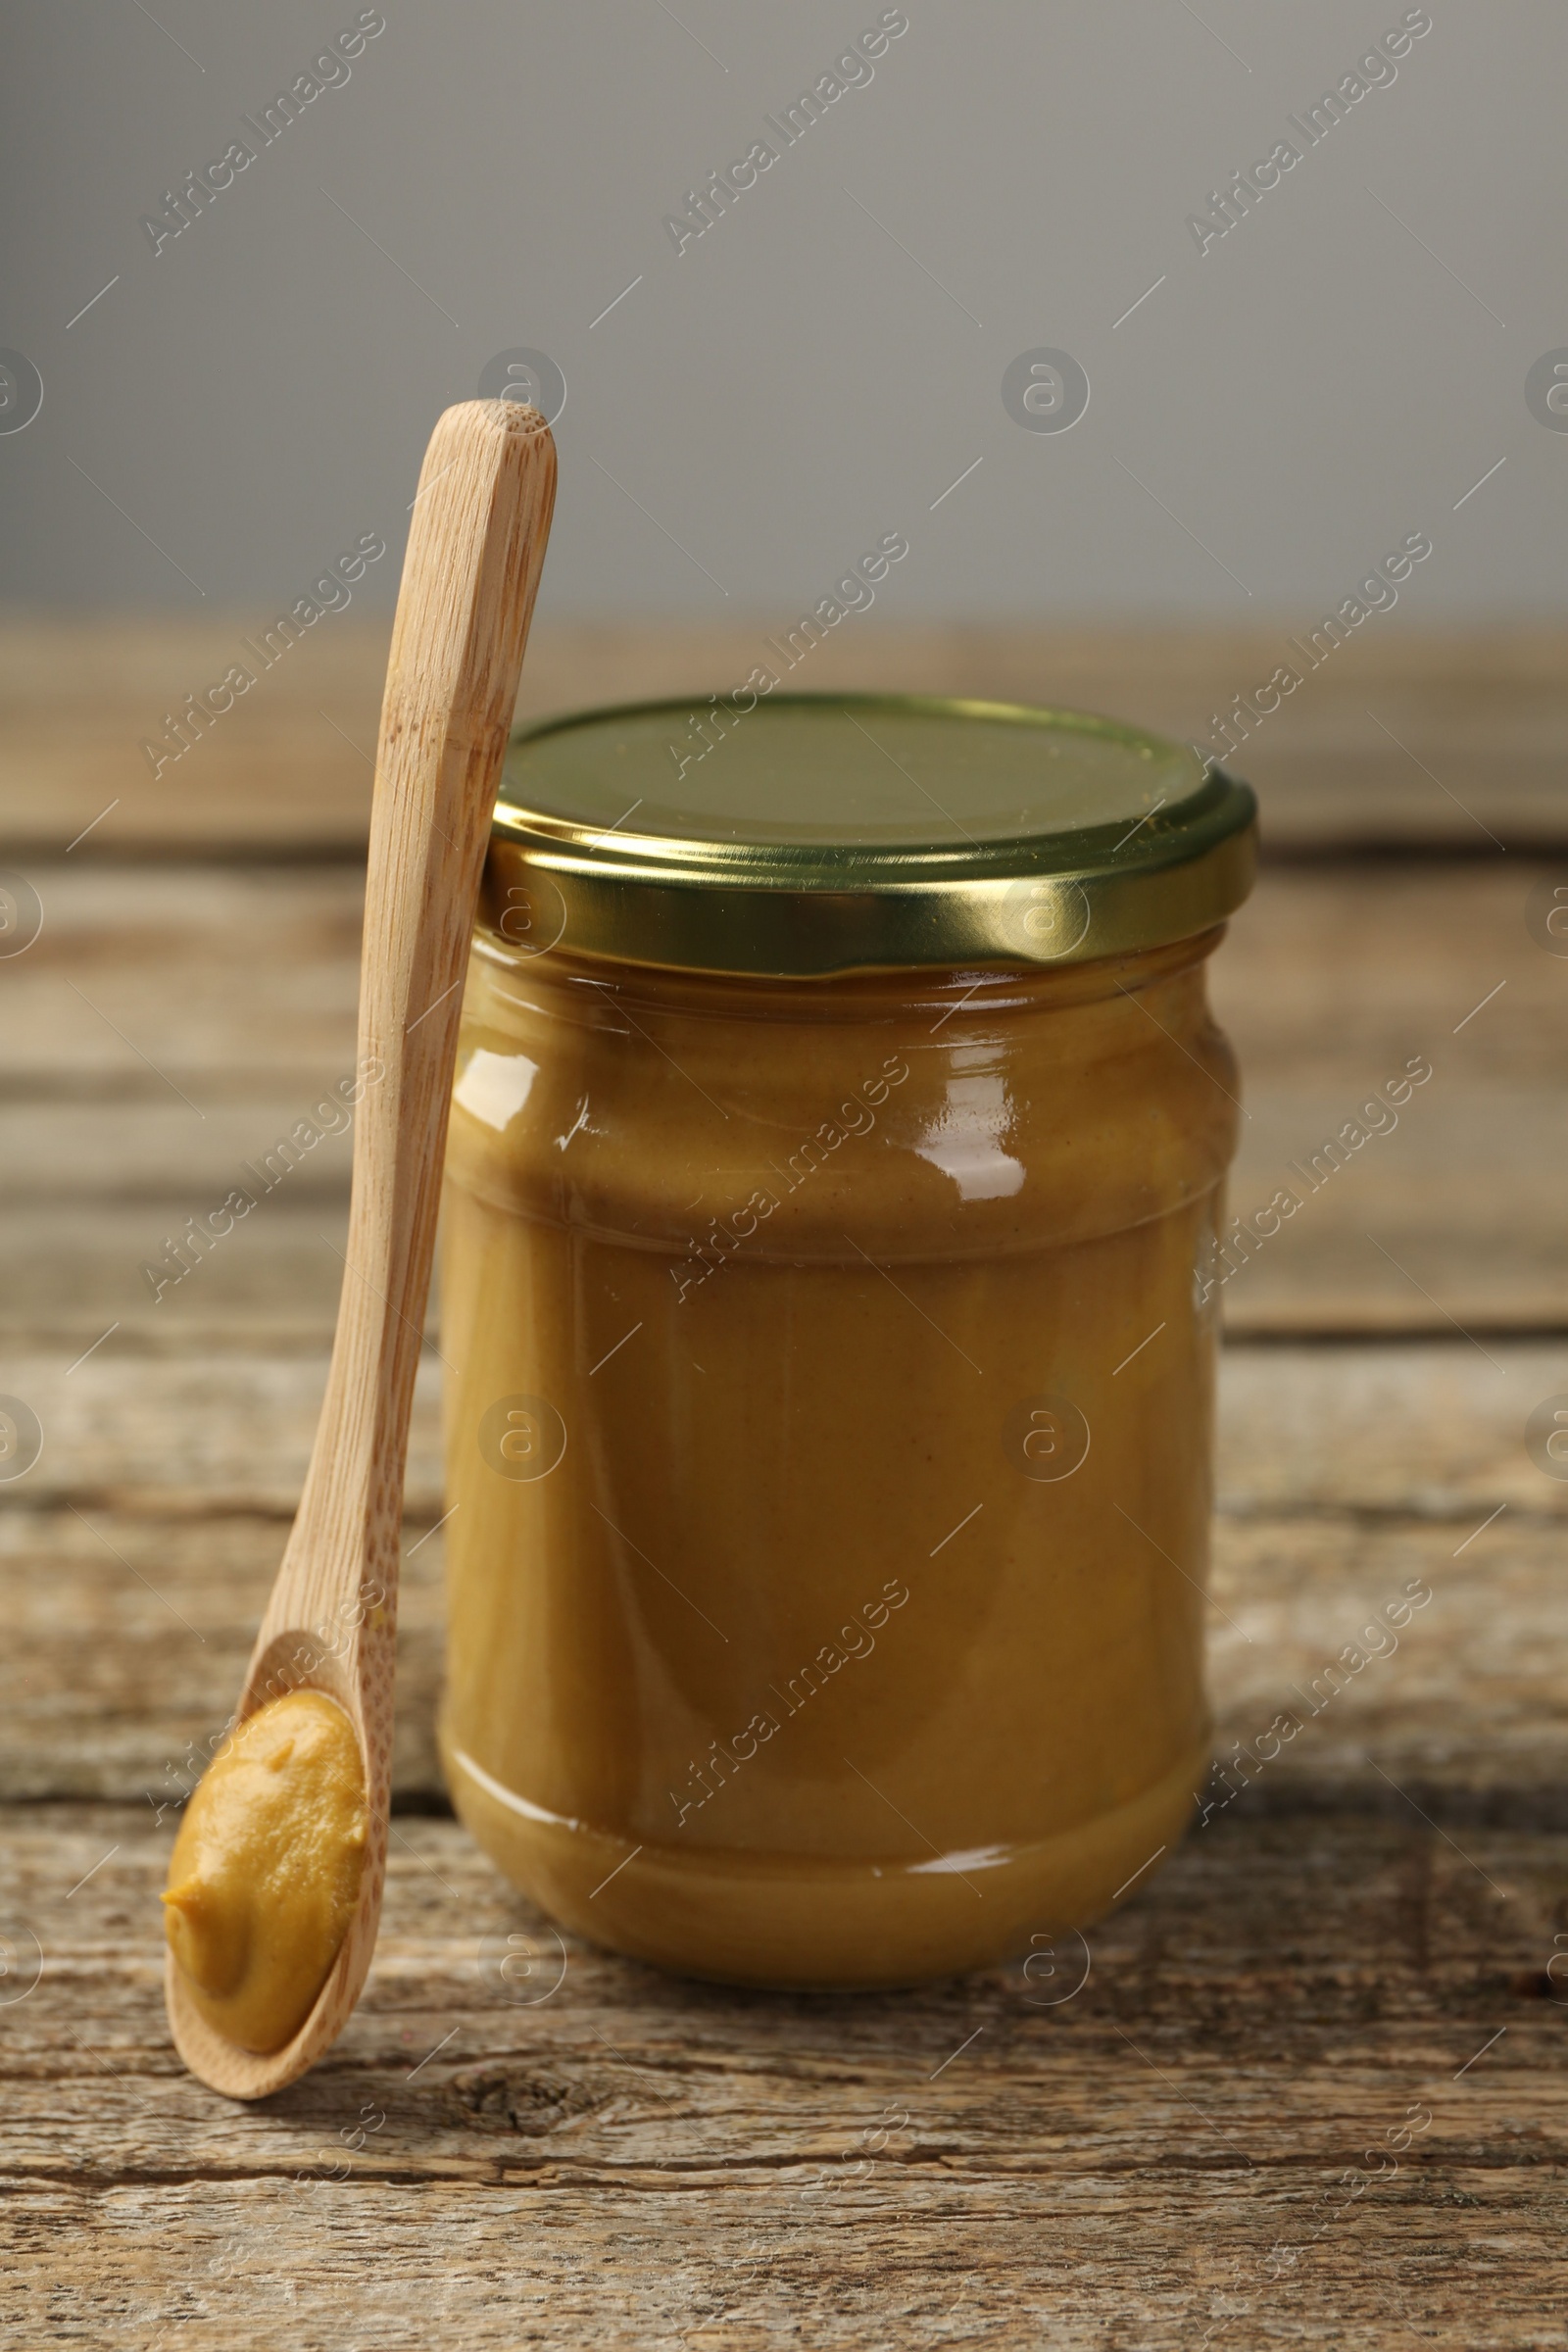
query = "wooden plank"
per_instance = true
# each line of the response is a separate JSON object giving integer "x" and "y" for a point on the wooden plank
{"x": 135, "y": 1579}
{"x": 130, "y": 1637}
{"x": 229, "y": 980}
{"x": 165, "y": 1030}
{"x": 189, "y": 1436}
{"x": 1402, "y": 735}
{"x": 73, "y": 1268}
{"x": 73, "y": 1272}
{"x": 1447, "y": 1217}
{"x": 1454, "y": 1220}
{"x": 1267, "y": 2114}
{"x": 132, "y": 1630}
{"x": 1429, "y": 1430}
{"x": 234, "y": 980}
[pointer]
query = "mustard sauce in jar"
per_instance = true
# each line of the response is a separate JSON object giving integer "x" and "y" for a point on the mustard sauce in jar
{"x": 839, "y": 1133}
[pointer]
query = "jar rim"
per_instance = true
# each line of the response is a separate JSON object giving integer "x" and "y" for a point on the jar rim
{"x": 1079, "y": 836}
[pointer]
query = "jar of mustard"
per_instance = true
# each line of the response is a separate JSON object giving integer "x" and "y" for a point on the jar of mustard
{"x": 838, "y": 1138}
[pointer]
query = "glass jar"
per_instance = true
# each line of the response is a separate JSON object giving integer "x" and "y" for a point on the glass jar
{"x": 838, "y": 1135}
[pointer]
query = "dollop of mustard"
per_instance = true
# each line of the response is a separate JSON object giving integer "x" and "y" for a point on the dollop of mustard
{"x": 264, "y": 1873}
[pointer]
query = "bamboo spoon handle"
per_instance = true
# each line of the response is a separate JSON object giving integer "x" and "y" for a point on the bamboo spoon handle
{"x": 476, "y": 549}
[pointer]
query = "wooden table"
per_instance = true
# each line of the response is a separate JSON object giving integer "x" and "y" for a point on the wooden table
{"x": 1314, "y": 2089}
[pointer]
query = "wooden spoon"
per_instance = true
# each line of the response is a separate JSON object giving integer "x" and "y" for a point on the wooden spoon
{"x": 476, "y": 548}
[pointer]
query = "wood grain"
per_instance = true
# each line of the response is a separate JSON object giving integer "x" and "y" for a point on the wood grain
{"x": 1187, "y": 2144}
{"x": 648, "y": 2161}
{"x": 1433, "y": 1431}
{"x": 1402, "y": 737}
{"x": 167, "y": 1610}
{"x": 238, "y": 989}
{"x": 1345, "y": 1475}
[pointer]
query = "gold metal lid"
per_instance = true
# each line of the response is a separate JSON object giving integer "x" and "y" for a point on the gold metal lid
{"x": 811, "y": 834}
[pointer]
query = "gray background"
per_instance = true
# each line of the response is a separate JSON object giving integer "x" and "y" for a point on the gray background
{"x": 795, "y": 384}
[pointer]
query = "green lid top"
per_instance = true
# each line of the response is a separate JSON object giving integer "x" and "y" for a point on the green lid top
{"x": 800, "y": 834}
